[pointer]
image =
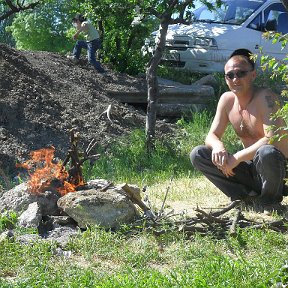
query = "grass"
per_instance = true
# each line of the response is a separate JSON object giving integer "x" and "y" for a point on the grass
{"x": 99, "y": 258}
{"x": 105, "y": 259}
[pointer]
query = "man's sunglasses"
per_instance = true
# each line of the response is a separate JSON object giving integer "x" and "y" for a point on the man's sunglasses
{"x": 239, "y": 74}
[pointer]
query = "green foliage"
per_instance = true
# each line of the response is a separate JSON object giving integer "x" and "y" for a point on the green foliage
{"x": 122, "y": 41}
{"x": 278, "y": 72}
{"x": 45, "y": 28}
{"x": 181, "y": 76}
{"x": 6, "y": 37}
{"x": 8, "y": 220}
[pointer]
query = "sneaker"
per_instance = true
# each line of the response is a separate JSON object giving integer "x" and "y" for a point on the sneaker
{"x": 72, "y": 57}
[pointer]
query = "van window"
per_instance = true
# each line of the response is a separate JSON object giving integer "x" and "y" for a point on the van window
{"x": 231, "y": 12}
{"x": 276, "y": 18}
{"x": 255, "y": 24}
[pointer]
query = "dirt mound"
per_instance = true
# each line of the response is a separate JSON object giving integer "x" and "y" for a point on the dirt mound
{"x": 43, "y": 95}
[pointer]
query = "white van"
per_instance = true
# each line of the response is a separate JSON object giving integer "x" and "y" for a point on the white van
{"x": 206, "y": 44}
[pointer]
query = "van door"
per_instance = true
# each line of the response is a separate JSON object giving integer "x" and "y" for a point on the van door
{"x": 273, "y": 18}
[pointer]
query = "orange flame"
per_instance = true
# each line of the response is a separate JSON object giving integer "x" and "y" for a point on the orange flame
{"x": 45, "y": 171}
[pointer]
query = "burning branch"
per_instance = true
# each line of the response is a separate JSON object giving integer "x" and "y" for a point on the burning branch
{"x": 45, "y": 174}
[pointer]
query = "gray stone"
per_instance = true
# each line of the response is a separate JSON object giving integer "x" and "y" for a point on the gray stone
{"x": 28, "y": 238}
{"x": 31, "y": 217}
{"x": 107, "y": 209}
{"x": 18, "y": 199}
{"x": 62, "y": 235}
{"x": 207, "y": 80}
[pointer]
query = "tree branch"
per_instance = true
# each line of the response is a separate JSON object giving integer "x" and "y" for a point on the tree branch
{"x": 13, "y": 9}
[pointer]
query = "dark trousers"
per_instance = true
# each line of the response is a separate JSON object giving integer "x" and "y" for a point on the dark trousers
{"x": 91, "y": 47}
{"x": 264, "y": 174}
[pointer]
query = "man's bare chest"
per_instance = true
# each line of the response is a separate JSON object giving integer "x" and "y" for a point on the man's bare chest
{"x": 247, "y": 123}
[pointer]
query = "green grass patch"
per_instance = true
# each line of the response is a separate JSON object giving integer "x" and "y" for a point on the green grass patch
{"x": 106, "y": 259}
{"x": 127, "y": 160}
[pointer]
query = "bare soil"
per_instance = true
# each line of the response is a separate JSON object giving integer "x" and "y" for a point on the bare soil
{"x": 44, "y": 95}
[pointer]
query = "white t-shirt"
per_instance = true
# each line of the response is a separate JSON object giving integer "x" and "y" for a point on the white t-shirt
{"x": 90, "y": 31}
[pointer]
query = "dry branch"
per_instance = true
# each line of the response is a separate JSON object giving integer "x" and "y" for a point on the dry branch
{"x": 136, "y": 198}
{"x": 235, "y": 221}
{"x": 212, "y": 223}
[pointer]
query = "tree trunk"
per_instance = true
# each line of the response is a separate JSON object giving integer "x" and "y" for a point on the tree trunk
{"x": 153, "y": 89}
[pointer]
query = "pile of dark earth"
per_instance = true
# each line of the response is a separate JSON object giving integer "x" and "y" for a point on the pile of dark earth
{"x": 44, "y": 95}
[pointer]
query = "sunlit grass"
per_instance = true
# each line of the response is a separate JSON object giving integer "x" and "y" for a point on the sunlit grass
{"x": 106, "y": 259}
{"x": 127, "y": 258}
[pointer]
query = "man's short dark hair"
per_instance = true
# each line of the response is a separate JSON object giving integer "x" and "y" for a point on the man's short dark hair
{"x": 244, "y": 52}
{"x": 79, "y": 17}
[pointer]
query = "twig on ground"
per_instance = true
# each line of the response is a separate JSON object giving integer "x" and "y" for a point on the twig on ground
{"x": 226, "y": 209}
{"x": 107, "y": 112}
{"x": 211, "y": 218}
{"x": 232, "y": 230}
{"x": 135, "y": 198}
{"x": 274, "y": 225}
{"x": 165, "y": 198}
{"x": 204, "y": 223}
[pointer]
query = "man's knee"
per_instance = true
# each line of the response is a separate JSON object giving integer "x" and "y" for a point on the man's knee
{"x": 198, "y": 154}
{"x": 267, "y": 153}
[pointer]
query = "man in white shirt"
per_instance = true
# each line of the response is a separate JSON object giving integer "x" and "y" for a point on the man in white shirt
{"x": 92, "y": 43}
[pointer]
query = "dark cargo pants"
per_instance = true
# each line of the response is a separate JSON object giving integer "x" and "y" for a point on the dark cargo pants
{"x": 264, "y": 174}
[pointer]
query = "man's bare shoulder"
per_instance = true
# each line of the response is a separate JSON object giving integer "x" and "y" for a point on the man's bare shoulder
{"x": 227, "y": 96}
{"x": 226, "y": 102}
{"x": 266, "y": 97}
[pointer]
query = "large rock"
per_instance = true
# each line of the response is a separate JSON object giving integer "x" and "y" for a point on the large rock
{"x": 107, "y": 209}
{"x": 19, "y": 198}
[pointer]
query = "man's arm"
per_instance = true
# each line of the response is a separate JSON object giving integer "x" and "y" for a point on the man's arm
{"x": 219, "y": 124}
{"x": 80, "y": 28}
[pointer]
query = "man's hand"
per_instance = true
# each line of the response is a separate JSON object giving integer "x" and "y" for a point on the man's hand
{"x": 75, "y": 36}
{"x": 230, "y": 164}
{"x": 219, "y": 156}
{"x": 224, "y": 162}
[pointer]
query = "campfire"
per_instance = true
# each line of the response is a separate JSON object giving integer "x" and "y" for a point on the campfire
{"x": 45, "y": 173}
